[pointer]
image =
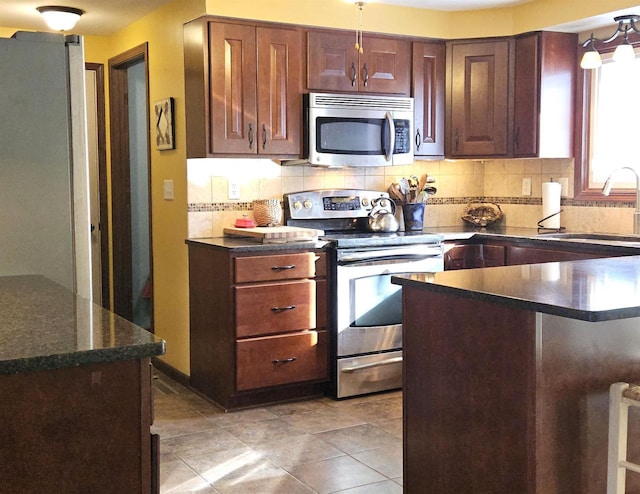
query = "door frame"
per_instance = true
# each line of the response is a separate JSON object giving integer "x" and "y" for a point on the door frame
{"x": 120, "y": 178}
{"x": 103, "y": 227}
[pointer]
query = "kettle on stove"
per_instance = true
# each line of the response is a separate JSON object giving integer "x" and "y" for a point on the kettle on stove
{"x": 382, "y": 217}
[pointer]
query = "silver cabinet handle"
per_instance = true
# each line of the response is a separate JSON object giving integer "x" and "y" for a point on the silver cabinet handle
{"x": 284, "y": 360}
{"x": 283, "y": 268}
{"x": 250, "y": 136}
{"x": 282, "y": 309}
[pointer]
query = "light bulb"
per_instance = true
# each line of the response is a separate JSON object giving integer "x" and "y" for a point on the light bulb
{"x": 624, "y": 53}
{"x": 591, "y": 59}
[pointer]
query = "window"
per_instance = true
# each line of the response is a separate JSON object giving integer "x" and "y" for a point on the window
{"x": 610, "y": 136}
{"x": 614, "y": 137}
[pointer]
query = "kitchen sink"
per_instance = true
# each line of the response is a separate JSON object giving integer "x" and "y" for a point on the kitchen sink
{"x": 594, "y": 237}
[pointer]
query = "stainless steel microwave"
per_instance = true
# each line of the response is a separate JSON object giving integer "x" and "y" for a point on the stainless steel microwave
{"x": 358, "y": 130}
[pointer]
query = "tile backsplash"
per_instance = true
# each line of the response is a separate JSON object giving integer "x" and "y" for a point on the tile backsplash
{"x": 458, "y": 182}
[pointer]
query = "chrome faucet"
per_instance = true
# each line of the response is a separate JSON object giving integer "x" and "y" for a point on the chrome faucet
{"x": 606, "y": 190}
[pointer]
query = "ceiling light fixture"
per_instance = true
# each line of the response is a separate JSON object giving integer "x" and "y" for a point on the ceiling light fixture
{"x": 623, "y": 53}
{"x": 60, "y": 18}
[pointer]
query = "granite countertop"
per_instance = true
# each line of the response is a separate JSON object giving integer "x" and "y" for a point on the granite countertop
{"x": 589, "y": 290}
{"x": 45, "y": 326}
{"x": 246, "y": 244}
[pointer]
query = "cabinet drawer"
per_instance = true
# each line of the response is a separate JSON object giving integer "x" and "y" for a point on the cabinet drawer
{"x": 275, "y": 308}
{"x": 279, "y": 267}
{"x": 275, "y": 360}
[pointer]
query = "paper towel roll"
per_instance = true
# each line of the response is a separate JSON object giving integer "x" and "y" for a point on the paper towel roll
{"x": 551, "y": 204}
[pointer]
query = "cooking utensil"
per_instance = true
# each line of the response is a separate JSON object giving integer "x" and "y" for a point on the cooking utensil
{"x": 395, "y": 193}
{"x": 413, "y": 188}
{"x": 404, "y": 188}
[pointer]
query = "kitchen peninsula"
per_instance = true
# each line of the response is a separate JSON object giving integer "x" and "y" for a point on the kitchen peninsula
{"x": 75, "y": 389}
{"x": 506, "y": 375}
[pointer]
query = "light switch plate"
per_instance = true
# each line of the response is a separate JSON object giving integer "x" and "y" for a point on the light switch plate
{"x": 168, "y": 190}
{"x": 526, "y": 186}
{"x": 234, "y": 189}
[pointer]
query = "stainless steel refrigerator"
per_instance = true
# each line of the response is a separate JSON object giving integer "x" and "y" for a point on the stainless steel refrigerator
{"x": 44, "y": 213}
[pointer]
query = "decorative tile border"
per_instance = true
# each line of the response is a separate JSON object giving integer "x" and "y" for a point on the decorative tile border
{"x": 207, "y": 207}
{"x": 197, "y": 207}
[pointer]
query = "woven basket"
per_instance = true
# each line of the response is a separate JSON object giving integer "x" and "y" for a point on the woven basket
{"x": 267, "y": 212}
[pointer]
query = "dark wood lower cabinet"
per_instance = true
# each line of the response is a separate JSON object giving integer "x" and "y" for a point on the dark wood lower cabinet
{"x": 78, "y": 430}
{"x": 503, "y": 400}
{"x": 258, "y": 324}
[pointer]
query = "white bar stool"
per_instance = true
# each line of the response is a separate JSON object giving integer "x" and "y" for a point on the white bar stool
{"x": 621, "y": 397}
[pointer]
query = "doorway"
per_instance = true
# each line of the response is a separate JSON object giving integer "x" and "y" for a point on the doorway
{"x": 130, "y": 187}
{"x": 98, "y": 204}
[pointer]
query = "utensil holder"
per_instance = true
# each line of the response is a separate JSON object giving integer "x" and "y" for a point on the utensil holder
{"x": 413, "y": 214}
{"x": 267, "y": 212}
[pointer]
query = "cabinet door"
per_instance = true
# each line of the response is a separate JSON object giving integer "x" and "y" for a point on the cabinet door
{"x": 332, "y": 61}
{"x": 492, "y": 255}
{"x": 232, "y": 99}
{"x": 279, "y": 87}
{"x": 283, "y": 359}
{"x": 545, "y": 73}
{"x": 428, "y": 94}
{"x": 479, "y": 123}
{"x": 385, "y": 65}
{"x": 531, "y": 255}
{"x": 527, "y": 97}
{"x": 275, "y": 308}
{"x": 335, "y": 65}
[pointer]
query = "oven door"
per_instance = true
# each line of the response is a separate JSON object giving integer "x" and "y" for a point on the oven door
{"x": 368, "y": 305}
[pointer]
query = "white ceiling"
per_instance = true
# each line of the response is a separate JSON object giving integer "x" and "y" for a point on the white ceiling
{"x": 105, "y": 17}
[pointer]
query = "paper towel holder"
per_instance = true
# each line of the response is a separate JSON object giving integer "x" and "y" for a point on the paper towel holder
{"x": 544, "y": 229}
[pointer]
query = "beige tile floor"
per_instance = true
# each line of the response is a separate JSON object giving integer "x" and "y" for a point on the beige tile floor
{"x": 351, "y": 446}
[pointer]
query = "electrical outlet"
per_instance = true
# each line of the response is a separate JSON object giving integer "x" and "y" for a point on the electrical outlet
{"x": 564, "y": 187}
{"x": 526, "y": 186}
{"x": 168, "y": 190}
{"x": 234, "y": 189}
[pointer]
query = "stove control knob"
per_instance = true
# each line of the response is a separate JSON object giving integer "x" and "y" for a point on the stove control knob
{"x": 297, "y": 205}
{"x": 365, "y": 202}
{"x": 307, "y": 204}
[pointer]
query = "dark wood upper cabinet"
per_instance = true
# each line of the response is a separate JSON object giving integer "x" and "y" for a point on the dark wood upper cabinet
{"x": 243, "y": 89}
{"x": 335, "y": 65}
{"x": 512, "y": 97}
{"x": 478, "y": 104}
{"x": 427, "y": 89}
{"x": 544, "y": 103}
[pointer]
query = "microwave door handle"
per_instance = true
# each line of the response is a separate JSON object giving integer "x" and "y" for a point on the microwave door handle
{"x": 392, "y": 136}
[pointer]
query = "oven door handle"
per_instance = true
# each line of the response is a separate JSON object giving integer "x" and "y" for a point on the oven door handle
{"x": 389, "y": 361}
{"x": 388, "y": 255}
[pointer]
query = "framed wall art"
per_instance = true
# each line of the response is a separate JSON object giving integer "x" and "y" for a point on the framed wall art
{"x": 165, "y": 134}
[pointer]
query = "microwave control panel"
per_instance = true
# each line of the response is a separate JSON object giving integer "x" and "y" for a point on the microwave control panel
{"x": 403, "y": 136}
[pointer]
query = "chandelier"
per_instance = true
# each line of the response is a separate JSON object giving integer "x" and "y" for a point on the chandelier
{"x": 623, "y": 53}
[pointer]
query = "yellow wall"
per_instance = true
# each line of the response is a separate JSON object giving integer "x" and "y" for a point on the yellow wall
{"x": 162, "y": 30}
{"x": 535, "y": 15}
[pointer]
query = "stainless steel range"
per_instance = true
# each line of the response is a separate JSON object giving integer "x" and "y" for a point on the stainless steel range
{"x": 366, "y": 309}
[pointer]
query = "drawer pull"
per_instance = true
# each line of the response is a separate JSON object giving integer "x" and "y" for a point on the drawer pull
{"x": 283, "y": 268}
{"x": 284, "y": 360}
{"x": 282, "y": 309}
